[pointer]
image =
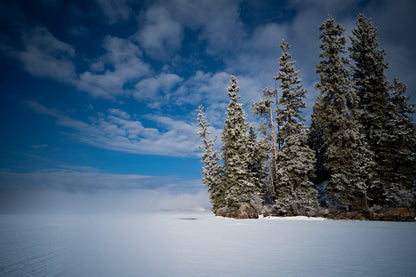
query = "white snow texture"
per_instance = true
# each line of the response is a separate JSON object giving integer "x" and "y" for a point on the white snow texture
{"x": 200, "y": 244}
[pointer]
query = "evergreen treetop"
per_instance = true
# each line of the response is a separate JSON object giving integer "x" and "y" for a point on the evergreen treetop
{"x": 292, "y": 96}
{"x": 234, "y": 139}
{"x": 346, "y": 151}
{"x": 212, "y": 175}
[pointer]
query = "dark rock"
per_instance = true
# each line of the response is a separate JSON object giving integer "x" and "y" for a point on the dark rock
{"x": 223, "y": 212}
{"x": 246, "y": 211}
{"x": 350, "y": 216}
{"x": 394, "y": 214}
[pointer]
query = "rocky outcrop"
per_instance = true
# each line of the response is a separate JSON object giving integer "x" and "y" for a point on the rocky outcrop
{"x": 385, "y": 214}
{"x": 246, "y": 211}
{"x": 348, "y": 216}
{"x": 394, "y": 214}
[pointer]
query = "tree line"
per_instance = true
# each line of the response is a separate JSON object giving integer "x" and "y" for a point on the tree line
{"x": 358, "y": 154}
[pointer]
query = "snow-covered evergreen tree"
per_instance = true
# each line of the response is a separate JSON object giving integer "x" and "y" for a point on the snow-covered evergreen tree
{"x": 316, "y": 143}
{"x": 264, "y": 109}
{"x": 402, "y": 133}
{"x": 296, "y": 160}
{"x": 256, "y": 158}
{"x": 376, "y": 110}
{"x": 212, "y": 175}
{"x": 239, "y": 185}
{"x": 344, "y": 142}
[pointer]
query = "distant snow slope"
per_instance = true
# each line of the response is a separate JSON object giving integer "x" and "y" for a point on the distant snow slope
{"x": 199, "y": 244}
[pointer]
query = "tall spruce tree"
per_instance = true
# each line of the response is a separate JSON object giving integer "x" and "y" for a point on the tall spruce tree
{"x": 264, "y": 109}
{"x": 402, "y": 133}
{"x": 316, "y": 143}
{"x": 379, "y": 114}
{"x": 256, "y": 158}
{"x": 239, "y": 185}
{"x": 296, "y": 160}
{"x": 212, "y": 175}
{"x": 337, "y": 114}
{"x": 372, "y": 86}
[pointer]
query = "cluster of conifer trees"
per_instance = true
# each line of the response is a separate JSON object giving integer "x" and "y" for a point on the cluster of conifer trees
{"x": 359, "y": 152}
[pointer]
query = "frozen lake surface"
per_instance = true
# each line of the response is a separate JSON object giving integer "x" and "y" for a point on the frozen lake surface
{"x": 200, "y": 244}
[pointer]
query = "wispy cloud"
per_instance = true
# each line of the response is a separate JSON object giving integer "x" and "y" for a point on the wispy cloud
{"x": 116, "y": 131}
{"x": 126, "y": 68}
{"x": 122, "y": 64}
{"x": 218, "y": 21}
{"x": 115, "y": 10}
{"x": 72, "y": 180}
{"x": 161, "y": 35}
{"x": 86, "y": 190}
{"x": 54, "y": 201}
{"x": 152, "y": 88}
{"x": 45, "y": 56}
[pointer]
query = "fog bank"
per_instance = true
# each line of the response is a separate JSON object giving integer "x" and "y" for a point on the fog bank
{"x": 106, "y": 201}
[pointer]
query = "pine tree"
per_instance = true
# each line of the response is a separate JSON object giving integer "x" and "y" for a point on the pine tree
{"x": 239, "y": 186}
{"x": 402, "y": 134}
{"x": 256, "y": 157}
{"x": 376, "y": 110}
{"x": 263, "y": 108}
{"x": 316, "y": 143}
{"x": 212, "y": 175}
{"x": 337, "y": 114}
{"x": 296, "y": 160}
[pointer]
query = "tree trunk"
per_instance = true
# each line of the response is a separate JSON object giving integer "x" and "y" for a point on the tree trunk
{"x": 274, "y": 139}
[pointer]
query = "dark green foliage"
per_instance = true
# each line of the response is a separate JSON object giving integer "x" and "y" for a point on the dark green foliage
{"x": 402, "y": 133}
{"x": 388, "y": 127}
{"x": 316, "y": 143}
{"x": 256, "y": 158}
{"x": 240, "y": 183}
{"x": 372, "y": 89}
{"x": 346, "y": 152}
{"x": 362, "y": 137}
{"x": 264, "y": 109}
{"x": 294, "y": 189}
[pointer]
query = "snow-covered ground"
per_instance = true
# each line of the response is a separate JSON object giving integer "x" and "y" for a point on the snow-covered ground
{"x": 199, "y": 244}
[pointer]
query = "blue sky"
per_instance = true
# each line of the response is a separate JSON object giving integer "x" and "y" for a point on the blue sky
{"x": 102, "y": 94}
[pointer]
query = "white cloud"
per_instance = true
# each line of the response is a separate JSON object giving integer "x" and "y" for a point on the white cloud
{"x": 75, "y": 180}
{"x": 119, "y": 113}
{"x": 266, "y": 38}
{"x": 118, "y": 132}
{"x": 218, "y": 22}
{"x": 251, "y": 55}
{"x": 161, "y": 34}
{"x": 60, "y": 118}
{"x": 87, "y": 190}
{"x": 202, "y": 87}
{"x": 46, "y": 56}
{"x": 150, "y": 88}
{"x": 56, "y": 201}
{"x": 120, "y": 65}
{"x": 115, "y": 10}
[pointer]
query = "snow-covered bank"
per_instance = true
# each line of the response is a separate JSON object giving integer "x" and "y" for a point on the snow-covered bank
{"x": 292, "y": 218}
{"x": 200, "y": 244}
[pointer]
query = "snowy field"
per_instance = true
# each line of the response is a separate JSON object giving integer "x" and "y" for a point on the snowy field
{"x": 199, "y": 244}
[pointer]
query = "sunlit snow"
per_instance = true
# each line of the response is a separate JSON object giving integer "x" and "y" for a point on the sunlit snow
{"x": 200, "y": 244}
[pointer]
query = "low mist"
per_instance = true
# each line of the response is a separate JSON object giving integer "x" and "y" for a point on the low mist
{"x": 105, "y": 202}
